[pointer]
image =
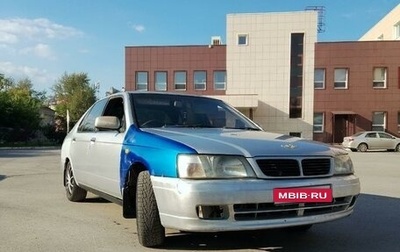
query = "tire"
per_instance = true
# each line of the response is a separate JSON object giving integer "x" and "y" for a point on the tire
{"x": 73, "y": 191}
{"x": 362, "y": 147}
{"x": 150, "y": 231}
{"x": 397, "y": 149}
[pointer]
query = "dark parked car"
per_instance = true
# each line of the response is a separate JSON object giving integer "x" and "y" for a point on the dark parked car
{"x": 196, "y": 164}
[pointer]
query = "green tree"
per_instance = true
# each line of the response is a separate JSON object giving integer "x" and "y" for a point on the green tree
{"x": 19, "y": 106}
{"x": 73, "y": 92}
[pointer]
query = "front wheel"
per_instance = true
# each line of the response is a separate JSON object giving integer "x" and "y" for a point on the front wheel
{"x": 362, "y": 147}
{"x": 397, "y": 148}
{"x": 150, "y": 231}
{"x": 73, "y": 191}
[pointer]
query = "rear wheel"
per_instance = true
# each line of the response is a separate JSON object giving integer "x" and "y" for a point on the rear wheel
{"x": 150, "y": 231}
{"x": 397, "y": 148}
{"x": 73, "y": 191}
{"x": 362, "y": 147}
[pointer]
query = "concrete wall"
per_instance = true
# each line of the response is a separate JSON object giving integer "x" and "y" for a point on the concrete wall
{"x": 262, "y": 66}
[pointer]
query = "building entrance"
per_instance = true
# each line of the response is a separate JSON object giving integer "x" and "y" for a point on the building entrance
{"x": 343, "y": 124}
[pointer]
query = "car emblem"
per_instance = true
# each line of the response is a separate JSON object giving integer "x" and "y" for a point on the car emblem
{"x": 289, "y": 146}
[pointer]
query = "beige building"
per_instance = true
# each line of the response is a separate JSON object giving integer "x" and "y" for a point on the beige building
{"x": 270, "y": 69}
{"x": 388, "y": 28}
{"x": 265, "y": 70}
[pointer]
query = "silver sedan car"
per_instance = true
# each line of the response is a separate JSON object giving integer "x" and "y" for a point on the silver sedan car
{"x": 196, "y": 164}
{"x": 371, "y": 140}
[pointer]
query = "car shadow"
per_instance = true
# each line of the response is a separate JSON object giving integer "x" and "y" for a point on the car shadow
{"x": 372, "y": 227}
{"x": 96, "y": 200}
{"x": 2, "y": 177}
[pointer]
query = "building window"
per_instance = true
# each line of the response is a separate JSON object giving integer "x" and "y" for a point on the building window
{"x": 397, "y": 31}
{"x": 341, "y": 78}
{"x": 296, "y": 75}
{"x": 379, "y": 121}
{"x": 243, "y": 39}
{"x": 141, "y": 80}
{"x": 160, "y": 81}
{"x": 318, "y": 122}
{"x": 379, "y": 77}
{"x": 180, "y": 80}
{"x": 398, "y": 76}
{"x": 398, "y": 122}
{"x": 319, "y": 78}
{"x": 295, "y": 134}
{"x": 219, "y": 80}
{"x": 200, "y": 80}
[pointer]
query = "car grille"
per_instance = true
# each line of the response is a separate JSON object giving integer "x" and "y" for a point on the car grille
{"x": 295, "y": 168}
{"x": 267, "y": 211}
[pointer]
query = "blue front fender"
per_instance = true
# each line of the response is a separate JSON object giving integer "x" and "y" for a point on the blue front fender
{"x": 158, "y": 154}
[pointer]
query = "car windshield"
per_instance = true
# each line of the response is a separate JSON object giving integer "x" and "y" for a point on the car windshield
{"x": 168, "y": 110}
{"x": 358, "y": 134}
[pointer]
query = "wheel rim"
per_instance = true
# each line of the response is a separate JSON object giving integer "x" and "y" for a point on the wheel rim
{"x": 363, "y": 147}
{"x": 69, "y": 180}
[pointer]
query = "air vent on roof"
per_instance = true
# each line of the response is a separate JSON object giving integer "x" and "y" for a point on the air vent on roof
{"x": 216, "y": 40}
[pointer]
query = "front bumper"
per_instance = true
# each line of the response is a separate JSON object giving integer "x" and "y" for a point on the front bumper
{"x": 348, "y": 145}
{"x": 247, "y": 204}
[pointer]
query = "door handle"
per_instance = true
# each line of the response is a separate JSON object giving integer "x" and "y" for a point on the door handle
{"x": 93, "y": 139}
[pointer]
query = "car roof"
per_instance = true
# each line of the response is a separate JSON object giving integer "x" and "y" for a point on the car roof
{"x": 161, "y": 93}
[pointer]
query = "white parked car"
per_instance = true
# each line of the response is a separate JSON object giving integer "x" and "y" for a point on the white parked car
{"x": 371, "y": 140}
{"x": 196, "y": 164}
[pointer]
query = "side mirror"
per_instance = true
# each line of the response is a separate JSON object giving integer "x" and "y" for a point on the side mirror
{"x": 107, "y": 122}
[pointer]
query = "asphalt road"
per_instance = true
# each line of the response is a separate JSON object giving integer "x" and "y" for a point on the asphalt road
{"x": 36, "y": 216}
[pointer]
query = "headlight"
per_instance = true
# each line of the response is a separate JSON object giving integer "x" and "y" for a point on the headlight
{"x": 209, "y": 166}
{"x": 343, "y": 165}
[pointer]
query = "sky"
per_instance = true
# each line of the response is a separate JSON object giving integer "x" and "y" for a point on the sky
{"x": 45, "y": 39}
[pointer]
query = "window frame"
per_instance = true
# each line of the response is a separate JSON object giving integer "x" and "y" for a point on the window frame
{"x": 216, "y": 83}
{"x": 346, "y": 81}
{"x": 396, "y": 31}
{"x": 156, "y": 84}
{"x": 178, "y": 83}
{"x": 374, "y": 81}
{"x": 323, "y": 80}
{"x": 137, "y": 83}
{"x": 202, "y": 85}
{"x": 378, "y": 126}
{"x": 242, "y": 36}
{"x": 321, "y": 126}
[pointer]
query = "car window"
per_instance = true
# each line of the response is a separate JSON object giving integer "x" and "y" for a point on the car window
{"x": 115, "y": 107}
{"x": 87, "y": 124}
{"x": 371, "y": 135}
{"x": 186, "y": 111}
{"x": 384, "y": 135}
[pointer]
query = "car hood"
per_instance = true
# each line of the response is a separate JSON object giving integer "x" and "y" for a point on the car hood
{"x": 243, "y": 142}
